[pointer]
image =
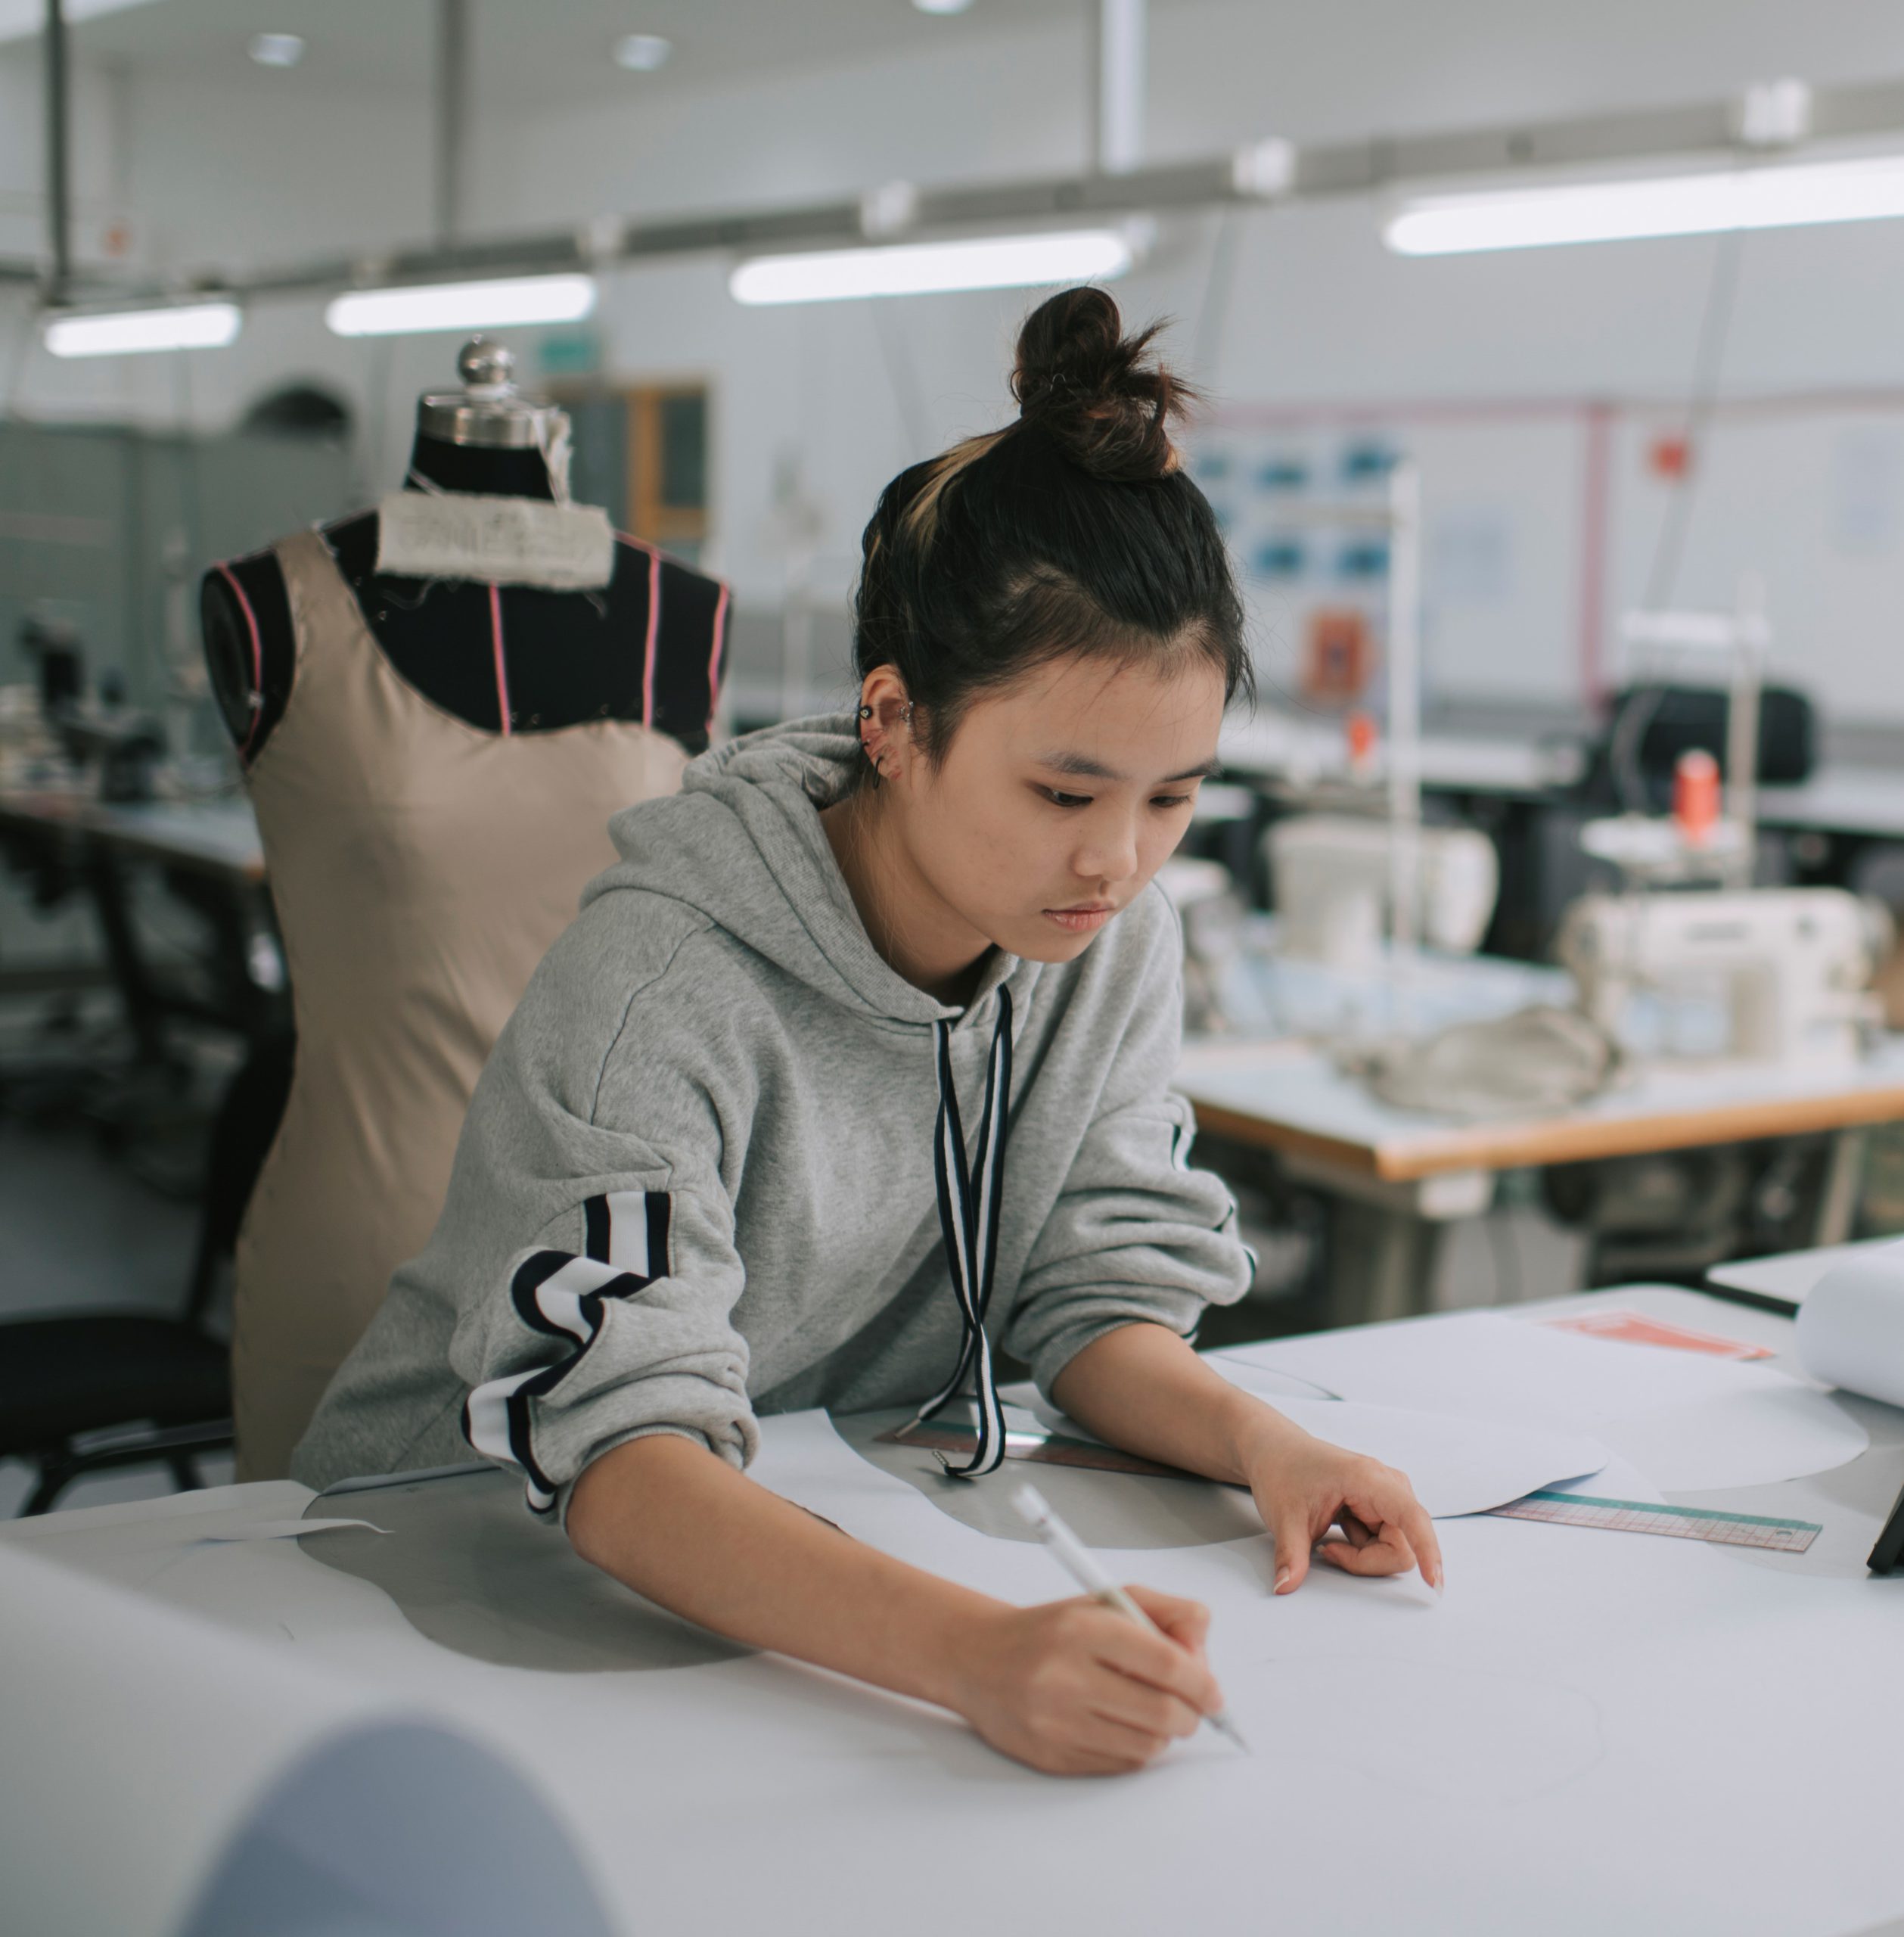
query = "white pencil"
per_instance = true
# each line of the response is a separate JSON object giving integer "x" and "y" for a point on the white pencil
{"x": 1081, "y": 1564}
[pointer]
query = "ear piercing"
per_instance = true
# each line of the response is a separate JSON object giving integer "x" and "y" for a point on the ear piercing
{"x": 865, "y": 713}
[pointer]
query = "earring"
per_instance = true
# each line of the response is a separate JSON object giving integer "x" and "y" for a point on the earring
{"x": 865, "y": 713}
{"x": 907, "y": 716}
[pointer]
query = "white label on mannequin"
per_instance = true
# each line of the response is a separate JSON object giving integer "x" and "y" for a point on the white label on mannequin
{"x": 500, "y": 541}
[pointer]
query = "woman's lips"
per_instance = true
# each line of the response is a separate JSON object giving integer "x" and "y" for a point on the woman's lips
{"x": 1082, "y": 920}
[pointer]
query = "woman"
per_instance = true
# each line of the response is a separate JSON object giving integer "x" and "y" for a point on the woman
{"x": 717, "y": 1167}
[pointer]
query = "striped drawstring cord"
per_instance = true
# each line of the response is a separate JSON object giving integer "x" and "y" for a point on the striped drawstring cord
{"x": 969, "y": 1218}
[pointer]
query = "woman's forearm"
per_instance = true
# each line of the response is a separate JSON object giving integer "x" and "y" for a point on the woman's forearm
{"x": 1142, "y": 1388}
{"x": 678, "y": 1524}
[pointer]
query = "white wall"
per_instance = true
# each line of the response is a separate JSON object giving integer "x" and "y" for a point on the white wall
{"x": 262, "y": 168}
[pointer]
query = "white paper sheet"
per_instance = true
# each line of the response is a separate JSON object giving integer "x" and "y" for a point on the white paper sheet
{"x": 1690, "y": 1423}
{"x": 1851, "y": 1328}
{"x": 163, "y": 1777}
{"x": 1455, "y": 1466}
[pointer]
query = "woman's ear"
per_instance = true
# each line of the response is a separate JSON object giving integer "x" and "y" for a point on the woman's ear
{"x": 885, "y": 722}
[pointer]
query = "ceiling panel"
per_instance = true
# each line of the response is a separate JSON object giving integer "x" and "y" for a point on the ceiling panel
{"x": 537, "y": 53}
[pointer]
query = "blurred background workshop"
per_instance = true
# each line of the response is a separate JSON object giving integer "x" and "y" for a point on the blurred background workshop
{"x": 1541, "y": 929}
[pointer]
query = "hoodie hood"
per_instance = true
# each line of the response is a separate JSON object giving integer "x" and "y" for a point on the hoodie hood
{"x": 743, "y": 845}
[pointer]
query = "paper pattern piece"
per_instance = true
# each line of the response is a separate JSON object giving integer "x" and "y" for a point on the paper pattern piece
{"x": 1455, "y": 1466}
{"x": 1851, "y": 1328}
{"x": 1690, "y": 1424}
{"x": 495, "y": 541}
{"x": 287, "y": 1530}
{"x": 1635, "y": 1328}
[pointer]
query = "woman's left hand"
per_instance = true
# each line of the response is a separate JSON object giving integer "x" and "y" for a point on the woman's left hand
{"x": 1303, "y": 1486}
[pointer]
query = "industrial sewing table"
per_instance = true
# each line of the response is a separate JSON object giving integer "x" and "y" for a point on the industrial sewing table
{"x": 1397, "y": 1177}
{"x": 209, "y": 851}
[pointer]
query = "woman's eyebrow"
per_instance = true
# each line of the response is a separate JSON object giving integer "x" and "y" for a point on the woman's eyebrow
{"x": 1085, "y": 768}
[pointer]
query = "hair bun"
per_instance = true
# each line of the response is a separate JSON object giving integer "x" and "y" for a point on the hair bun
{"x": 1096, "y": 391}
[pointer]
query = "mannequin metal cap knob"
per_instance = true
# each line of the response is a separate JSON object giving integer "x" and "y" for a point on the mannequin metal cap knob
{"x": 482, "y": 363}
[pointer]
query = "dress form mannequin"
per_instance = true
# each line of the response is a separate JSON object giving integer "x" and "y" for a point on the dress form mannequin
{"x": 433, "y": 761}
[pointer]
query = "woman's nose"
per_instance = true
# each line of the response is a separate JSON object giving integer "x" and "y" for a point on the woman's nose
{"x": 1111, "y": 855}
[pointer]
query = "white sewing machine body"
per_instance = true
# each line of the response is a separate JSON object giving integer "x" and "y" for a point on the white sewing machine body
{"x": 1333, "y": 876}
{"x": 1793, "y": 965}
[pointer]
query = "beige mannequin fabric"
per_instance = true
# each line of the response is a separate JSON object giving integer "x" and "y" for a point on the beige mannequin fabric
{"x": 421, "y": 868}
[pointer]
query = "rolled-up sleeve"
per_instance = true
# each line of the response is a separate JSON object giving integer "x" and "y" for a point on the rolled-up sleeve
{"x": 1136, "y": 1235}
{"x": 616, "y": 1324}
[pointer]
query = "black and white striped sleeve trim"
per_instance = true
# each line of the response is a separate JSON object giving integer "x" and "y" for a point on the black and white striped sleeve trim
{"x": 563, "y": 1298}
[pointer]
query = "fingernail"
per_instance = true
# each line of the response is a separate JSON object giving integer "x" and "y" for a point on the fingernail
{"x": 1282, "y": 1578}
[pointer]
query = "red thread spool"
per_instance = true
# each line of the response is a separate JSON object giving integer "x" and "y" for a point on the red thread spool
{"x": 1695, "y": 794}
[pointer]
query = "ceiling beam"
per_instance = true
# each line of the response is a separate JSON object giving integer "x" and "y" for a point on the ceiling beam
{"x": 1273, "y": 171}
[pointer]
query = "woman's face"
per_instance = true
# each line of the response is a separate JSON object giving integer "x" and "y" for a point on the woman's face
{"x": 1059, "y": 797}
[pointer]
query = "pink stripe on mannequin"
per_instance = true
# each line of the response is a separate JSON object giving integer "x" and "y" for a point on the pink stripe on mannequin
{"x": 714, "y": 657}
{"x": 501, "y": 672}
{"x": 257, "y": 658}
{"x": 653, "y": 632}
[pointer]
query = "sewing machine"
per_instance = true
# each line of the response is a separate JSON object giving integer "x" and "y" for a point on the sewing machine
{"x": 1333, "y": 876}
{"x": 1794, "y": 965}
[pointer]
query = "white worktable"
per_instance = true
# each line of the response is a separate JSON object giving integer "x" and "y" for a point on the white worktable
{"x": 1655, "y": 1778}
{"x": 1289, "y": 1095}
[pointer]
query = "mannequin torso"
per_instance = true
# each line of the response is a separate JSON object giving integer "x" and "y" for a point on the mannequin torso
{"x": 565, "y": 658}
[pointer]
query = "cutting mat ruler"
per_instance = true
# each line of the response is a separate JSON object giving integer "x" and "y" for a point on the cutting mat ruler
{"x": 1679, "y": 1523}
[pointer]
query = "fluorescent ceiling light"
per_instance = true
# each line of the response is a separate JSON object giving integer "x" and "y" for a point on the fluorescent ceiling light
{"x": 462, "y": 306}
{"x": 1785, "y": 196}
{"x": 276, "y": 50}
{"x": 131, "y": 332}
{"x": 918, "y": 269}
{"x": 941, "y": 6}
{"x": 642, "y": 53}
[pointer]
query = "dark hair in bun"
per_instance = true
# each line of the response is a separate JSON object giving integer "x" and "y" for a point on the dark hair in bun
{"x": 1093, "y": 391}
{"x": 1071, "y": 530}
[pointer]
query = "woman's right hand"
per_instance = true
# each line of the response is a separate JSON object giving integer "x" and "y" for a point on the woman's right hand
{"x": 1073, "y": 1688}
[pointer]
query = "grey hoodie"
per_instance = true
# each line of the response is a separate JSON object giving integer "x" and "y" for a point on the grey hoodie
{"x": 697, "y": 1180}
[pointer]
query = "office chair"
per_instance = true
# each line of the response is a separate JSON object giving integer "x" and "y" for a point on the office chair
{"x": 89, "y": 1391}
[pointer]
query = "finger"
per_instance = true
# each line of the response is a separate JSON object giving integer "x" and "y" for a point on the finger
{"x": 1153, "y": 1660}
{"x": 1114, "y": 1744}
{"x": 1355, "y": 1530}
{"x": 1292, "y": 1543}
{"x": 1186, "y": 1622}
{"x": 1081, "y": 1764}
{"x": 1103, "y": 1727}
{"x": 1419, "y": 1530}
{"x": 1138, "y": 1706}
{"x": 1395, "y": 1506}
{"x": 1389, "y": 1553}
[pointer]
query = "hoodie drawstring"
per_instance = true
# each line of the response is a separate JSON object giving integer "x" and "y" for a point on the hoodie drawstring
{"x": 969, "y": 1221}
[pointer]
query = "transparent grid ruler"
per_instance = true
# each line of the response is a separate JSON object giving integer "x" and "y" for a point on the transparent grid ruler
{"x": 1682, "y": 1523}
